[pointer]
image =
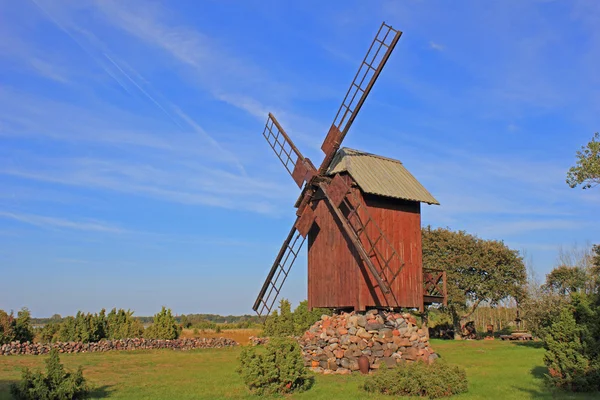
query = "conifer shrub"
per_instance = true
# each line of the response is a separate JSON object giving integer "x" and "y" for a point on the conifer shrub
{"x": 418, "y": 379}
{"x": 56, "y": 384}
{"x": 276, "y": 369}
{"x": 572, "y": 347}
{"x": 164, "y": 326}
{"x": 287, "y": 323}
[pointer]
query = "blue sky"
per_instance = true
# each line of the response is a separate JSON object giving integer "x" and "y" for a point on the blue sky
{"x": 134, "y": 173}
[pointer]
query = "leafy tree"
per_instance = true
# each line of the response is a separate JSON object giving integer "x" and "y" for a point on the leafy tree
{"x": 565, "y": 280}
{"x": 586, "y": 172}
{"x": 7, "y": 327}
{"x": 15, "y": 329}
{"x": 184, "y": 321}
{"x": 56, "y": 384}
{"x": 164, "y": 326}
{"x": 477, "y": 270}
{"x": 23, "y": 329}
{"x": 595, "y": 269}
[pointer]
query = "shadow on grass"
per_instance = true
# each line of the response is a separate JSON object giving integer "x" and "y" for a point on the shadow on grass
{"x": 100, "y": 392}
{"x": 539, "y": 372}
{"x": 530, "y": 343}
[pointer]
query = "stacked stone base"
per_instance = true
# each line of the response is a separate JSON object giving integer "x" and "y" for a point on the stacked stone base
{"x": 16, "y": 348}
{"x": 335, "y": 343}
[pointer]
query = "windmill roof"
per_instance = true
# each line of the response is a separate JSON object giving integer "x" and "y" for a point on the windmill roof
{"x": 380, "y": 175}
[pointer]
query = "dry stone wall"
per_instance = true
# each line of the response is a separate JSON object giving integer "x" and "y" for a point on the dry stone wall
{"x": 335, "y": 343}
{"x": 16, "y": 348}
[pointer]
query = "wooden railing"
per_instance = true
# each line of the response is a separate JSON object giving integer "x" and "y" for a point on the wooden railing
{"x": 434, "y": 286}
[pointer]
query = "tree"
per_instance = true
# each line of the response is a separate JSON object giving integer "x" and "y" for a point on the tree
{"x": 7, "y": 327}
{"x": 56, "y": 384}
{"x": 565, "y": 280}
{"x": 282, "y": 323}
{"x": 23, "y": 329}
{"x": 477, "y": 270}
{"x": 164, "y": 326}
{"x": 586, "y": 171}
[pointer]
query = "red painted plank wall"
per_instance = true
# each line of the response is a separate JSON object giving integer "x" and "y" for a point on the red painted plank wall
{"x": 337, "y": 277}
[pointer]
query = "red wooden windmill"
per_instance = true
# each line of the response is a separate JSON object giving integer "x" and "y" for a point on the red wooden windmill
{"x": 360, "y": 212}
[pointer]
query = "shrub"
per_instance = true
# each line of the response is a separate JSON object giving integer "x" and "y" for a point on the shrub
{"x": 7, "y": 327}
{"x": 23, "y": 329}
{"x": 279, "y": 369}
{"x": 418, "y": 379}
{"x": 572, "y": 346}
{"x": 288, "y": 323}
{"x": 15, "y": 329}
{"x": 122, "y": 325}
{"x": 56, "y": 384}
{"x": 164, "y": 327}
{"x": 49, "y": 332}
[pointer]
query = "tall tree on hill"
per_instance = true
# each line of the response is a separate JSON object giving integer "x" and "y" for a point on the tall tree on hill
{"x": 586, "y": 171}
{"x": 477, "y": 270}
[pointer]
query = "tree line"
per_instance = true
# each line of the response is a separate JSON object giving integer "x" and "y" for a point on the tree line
{"x": 88, "y": 327}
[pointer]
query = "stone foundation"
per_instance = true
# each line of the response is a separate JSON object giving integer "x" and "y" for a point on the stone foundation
{"x": 334, "y": 344}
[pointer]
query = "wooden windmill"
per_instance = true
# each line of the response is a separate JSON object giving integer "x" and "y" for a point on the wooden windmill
{"x": 360, "y": 212}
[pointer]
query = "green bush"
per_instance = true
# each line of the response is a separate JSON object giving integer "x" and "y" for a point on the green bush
{"x": 418, "y": 379}
{"x": 7, "y": 327}
{"x": 56, "y": 384}
{"x": 122, "y": 325}
{"x": 288, "y": 323}
{"x": 15, "y": 329}
{"x": 572, "y": 346}
{"x": 279, "y": 369}
{"x": 164, "y": 326}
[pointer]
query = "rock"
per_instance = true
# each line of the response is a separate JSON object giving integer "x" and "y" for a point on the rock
{"x": 363, "y": 334}
{"x": 361, "y": 321}
{"x": 388, "y": 361}
{"x": 382, "y": 338}
{"x": 352, "y": 322}
{"x": 374, "y": 326}
{"x": 410, "y": 354}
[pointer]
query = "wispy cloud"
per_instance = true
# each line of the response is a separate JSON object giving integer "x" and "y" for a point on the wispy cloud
{"x": 48, "y": 70}
{"x": 52, "y": 222}
{"x": 436, "y": 46}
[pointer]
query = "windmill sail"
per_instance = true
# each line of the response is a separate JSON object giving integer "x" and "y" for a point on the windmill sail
{"x": 278, "y": 273}
{"x": 300, "y": 168}
{"x": 368, "y": 72}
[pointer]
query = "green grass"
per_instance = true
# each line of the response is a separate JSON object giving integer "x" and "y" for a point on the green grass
{"x": 495, "y": 369}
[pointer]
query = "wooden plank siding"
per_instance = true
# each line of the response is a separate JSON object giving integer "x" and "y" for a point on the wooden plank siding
{"x": 337, "y": 278}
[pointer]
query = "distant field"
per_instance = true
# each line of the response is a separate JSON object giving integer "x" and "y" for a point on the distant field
{"x": 239, "y": 335}
{"x": 496, "y": 370}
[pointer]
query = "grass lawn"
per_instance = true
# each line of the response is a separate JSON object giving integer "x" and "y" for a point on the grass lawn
{"x": 496, "y": 370}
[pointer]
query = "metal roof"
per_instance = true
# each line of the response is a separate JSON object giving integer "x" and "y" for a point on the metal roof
{"x": 380, "y": 176}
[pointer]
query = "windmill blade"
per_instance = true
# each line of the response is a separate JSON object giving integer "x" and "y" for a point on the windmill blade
{"x": 300, "y": 168}
{"x": 368, "y": 72}
{"x": 279, "y": 272}
{"x": 367, "y": 237}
